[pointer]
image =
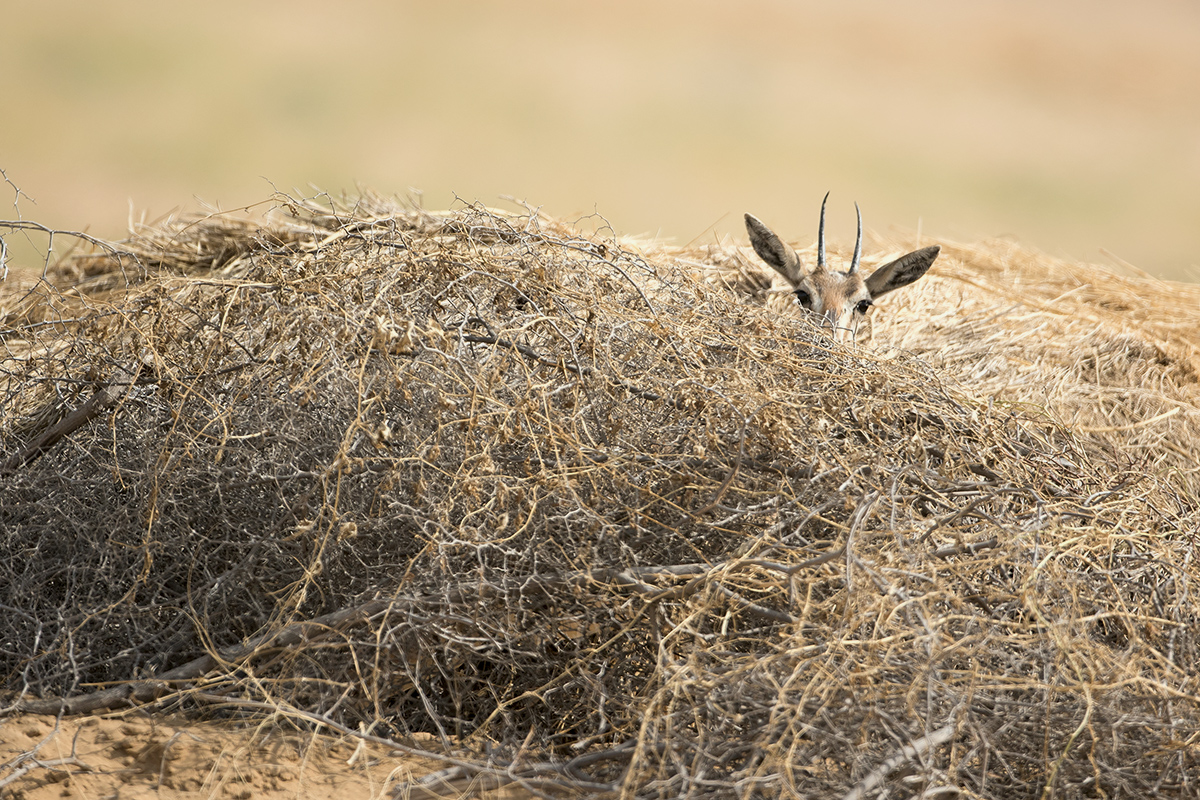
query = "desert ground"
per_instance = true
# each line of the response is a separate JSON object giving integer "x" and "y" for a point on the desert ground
{"x": 143, "y": 756}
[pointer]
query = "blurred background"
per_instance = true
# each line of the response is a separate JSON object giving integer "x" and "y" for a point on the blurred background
{"x": 1072, "y": 126}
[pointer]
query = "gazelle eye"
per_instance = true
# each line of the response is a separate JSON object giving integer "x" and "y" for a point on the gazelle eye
{"x": 803, "y": 298}
{"x": 863, "y": 306}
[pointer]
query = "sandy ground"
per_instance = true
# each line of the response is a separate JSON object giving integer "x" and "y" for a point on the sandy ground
{"x": 137, "y": 757}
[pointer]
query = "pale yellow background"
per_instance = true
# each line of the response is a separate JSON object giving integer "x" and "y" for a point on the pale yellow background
{"x": 1071, "y": 125}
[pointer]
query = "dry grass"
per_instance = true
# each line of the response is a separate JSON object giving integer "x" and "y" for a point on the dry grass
{"x": 600, "y": 526}
{"x": 1115, "y": 359}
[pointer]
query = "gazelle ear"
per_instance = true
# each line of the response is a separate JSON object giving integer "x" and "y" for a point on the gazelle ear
{"x": 901, "y": 272}
{"x": 771, "y": 249}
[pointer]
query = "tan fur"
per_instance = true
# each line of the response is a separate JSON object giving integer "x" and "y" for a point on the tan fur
{"x": 838, "y": 299}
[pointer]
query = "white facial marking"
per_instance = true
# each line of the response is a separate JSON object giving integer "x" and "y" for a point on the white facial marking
{"x": 837, "y": 298}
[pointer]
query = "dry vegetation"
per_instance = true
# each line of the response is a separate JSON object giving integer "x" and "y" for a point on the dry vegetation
{"x": 596, "y": 525}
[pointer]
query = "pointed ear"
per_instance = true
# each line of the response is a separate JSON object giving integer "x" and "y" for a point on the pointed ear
{"x": 901, "y": 272}
{"x": 771, "y": 249}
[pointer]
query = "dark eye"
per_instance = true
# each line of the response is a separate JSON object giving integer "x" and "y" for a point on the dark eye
{"x": 803, "y": 299}
{"x": 863, "y": 306}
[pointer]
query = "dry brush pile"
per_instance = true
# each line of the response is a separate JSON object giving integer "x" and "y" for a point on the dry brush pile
{"x": 598, "y": 524}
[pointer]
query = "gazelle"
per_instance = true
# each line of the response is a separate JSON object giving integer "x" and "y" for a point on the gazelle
{"x": 841, "y": 299}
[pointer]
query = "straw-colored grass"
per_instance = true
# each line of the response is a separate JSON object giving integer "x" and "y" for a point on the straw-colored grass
{"x": 1113, "y": 358}
{"x": 601, "y": 525}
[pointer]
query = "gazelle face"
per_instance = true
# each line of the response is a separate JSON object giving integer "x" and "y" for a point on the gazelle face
{"x": 840, "y": 299}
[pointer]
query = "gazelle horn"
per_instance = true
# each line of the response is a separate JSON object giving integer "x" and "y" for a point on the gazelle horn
{"x": 857, "y": 241}
{"x": 821, "y": 236}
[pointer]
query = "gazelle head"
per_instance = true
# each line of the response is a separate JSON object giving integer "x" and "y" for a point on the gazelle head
{"x": 841, "y": 299}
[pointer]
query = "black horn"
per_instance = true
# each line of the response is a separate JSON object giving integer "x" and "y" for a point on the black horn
{"x": 821, "y": 236}
{"x": 857, "y": 240}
